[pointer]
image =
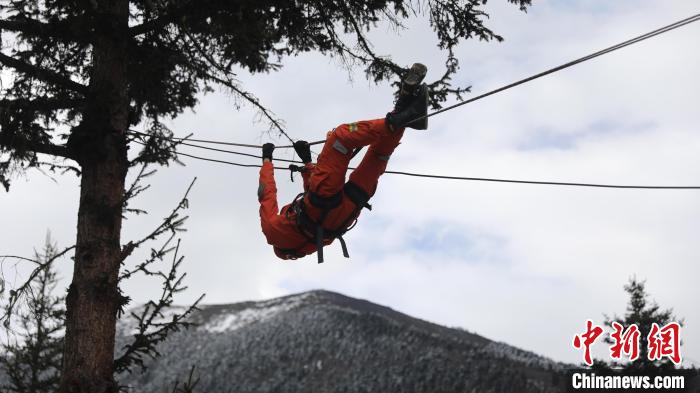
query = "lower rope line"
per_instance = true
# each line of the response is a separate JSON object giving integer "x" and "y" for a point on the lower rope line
{"x": 485, "y": 179}
{"x": 481, "y": 179}
{"x": 443, "y": 177}
{"x": 225, "y": 162}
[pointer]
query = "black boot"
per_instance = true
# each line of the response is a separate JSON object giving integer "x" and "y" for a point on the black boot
{"x": 413, "y": 113}
{"x": 409, "y": 86}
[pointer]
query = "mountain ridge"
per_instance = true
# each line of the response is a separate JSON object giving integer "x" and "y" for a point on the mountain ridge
{"x": 325, "y": 341}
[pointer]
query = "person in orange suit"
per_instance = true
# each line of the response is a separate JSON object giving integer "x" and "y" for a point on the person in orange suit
{"x": 329, "y": 205}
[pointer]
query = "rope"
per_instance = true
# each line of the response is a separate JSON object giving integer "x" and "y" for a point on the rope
{"x": 447, "y": 177}
{"x": 233, "y": 152}
{"x": 551, "y": 183}
{"x": 591, "y": 56}
{"x": 694, "y": 18}
{"x": 213, "y": 142}
{"x": 613, "y": 48}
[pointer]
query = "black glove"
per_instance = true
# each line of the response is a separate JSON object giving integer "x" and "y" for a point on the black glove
{"x": 267, "y": 150}
{"x": 303, "y": 151}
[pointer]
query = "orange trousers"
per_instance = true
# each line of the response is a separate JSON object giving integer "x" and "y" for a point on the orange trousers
{"x": 327, "y": 178}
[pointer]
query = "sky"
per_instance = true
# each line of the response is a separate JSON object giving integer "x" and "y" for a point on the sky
{"x": 521, "y": 264}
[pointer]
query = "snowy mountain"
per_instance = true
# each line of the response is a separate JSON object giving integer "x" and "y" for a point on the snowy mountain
{"x": 325, "y": 342}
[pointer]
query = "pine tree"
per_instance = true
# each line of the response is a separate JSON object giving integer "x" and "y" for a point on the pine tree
{"x": 643, "y": 312}
{"x": 32, "y": 356}
{"x": 78, "y": 74}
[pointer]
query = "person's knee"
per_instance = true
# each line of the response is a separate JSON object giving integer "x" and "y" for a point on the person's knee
{"x": 335, "y": 148}
{"x": 341, "y": 146}
{"x": 382, "y": 151}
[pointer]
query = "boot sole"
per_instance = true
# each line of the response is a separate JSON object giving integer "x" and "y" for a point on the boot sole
{"x": 415, "y": 74}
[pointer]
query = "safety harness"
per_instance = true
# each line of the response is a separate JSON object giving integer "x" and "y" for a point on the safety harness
{"x": 314, "y": 230}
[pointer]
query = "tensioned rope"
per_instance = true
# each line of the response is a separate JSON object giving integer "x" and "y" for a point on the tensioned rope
{"x": 613, "y": 48}
{"x": 444, "y": 177}
{"x": 591, "y": 56}
{"x": 694, "y": 18}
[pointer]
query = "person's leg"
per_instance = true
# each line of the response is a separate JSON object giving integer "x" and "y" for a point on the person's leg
{"x": 328, "y": 176}
{"x": 374, "y": 162}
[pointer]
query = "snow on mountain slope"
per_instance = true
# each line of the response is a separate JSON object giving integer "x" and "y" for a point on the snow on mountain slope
{"x": 322, "y": 341}
{"x": 259, "y": 311}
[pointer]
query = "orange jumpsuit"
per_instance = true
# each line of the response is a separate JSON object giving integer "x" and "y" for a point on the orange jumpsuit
{"x": 327, "y": 178}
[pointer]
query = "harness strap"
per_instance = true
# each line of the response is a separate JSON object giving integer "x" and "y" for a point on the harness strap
{"x": 319, "y": 243}
{"x": 314, "y": 231}
{"x": 325, "y": 203}
{"x": 357, "y": 195}
{"x": 319, "y": 229}
{"x": 343, "y": 246}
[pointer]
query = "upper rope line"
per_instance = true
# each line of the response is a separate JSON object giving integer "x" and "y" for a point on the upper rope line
{"x": 187, "y": 141}
{"x": 572, "y": 63}
{"x": 591, "y": 56}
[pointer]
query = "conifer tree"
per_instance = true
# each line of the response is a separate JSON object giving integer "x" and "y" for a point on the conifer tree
{"x": 32, "y": 354}
{"x": 78, "y": 74}
{"x": 642, "y": 312}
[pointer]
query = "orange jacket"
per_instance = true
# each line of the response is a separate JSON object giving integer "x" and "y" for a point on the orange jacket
{"x": 325, "y": 179}
{"x": 280, "y": 227}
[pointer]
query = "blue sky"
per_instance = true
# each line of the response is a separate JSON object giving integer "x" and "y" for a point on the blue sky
{"x": 526, "y": 265}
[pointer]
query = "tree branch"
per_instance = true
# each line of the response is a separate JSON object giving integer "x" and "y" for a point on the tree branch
{"x": 41, "y": 103}
{"x": 153, "y": 326}
{"x": 152, "y": 25}
{"x": 27, "y": 26}
{"x": 42, "y": 74}
{"x": 169, "y": 17}
{"x": 274, "y": 122}
{"x": 173, "y": 223}
{"x": 135, "y": 189}
{"x": 365, "y": 45}
{"x": 16, "y": 294}
{"x": 49, "y": 148}
{"x": 70, "y": 29}
{"x": 36, "y": 147}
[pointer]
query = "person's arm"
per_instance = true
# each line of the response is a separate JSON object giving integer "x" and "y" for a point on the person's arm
{"x": 306, "y": 174}
{"x": 267, "y": 189}
{"x": 304, "y": 152}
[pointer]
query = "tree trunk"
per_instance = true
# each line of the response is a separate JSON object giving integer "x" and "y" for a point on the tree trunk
{"x": 99, "y": 144}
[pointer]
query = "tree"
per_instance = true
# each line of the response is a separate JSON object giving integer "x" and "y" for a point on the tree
{"x": 157, "y": 319}
{"x": 32, "y": 359}
{"x": 34, "y": 356}
{"x": 642, "y": 312}
{"x": 82, "y": 72}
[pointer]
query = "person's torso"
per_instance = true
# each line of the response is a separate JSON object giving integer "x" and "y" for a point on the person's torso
{"x": 286, "y": 233}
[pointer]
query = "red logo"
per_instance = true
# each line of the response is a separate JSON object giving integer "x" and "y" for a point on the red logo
{"x": 625, "y": 342}
{"x": 589, "y": 336}
{"x": 663, "y": 342}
